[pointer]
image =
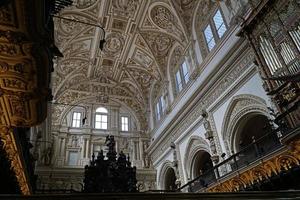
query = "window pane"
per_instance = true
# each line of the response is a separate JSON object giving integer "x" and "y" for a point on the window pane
{"x": 178, "y": 81}
{"x": 97, "y": 125}
{"x": 219, "y": 23}
{"x": 185, "y": 72}
{"x": 101, "y": 121}
{"x": 209, "y": 37}
{"x": 104, "y": 118}
{"x": 76, "y": 119}
{"x": 157, "y": 111}
{"x": 162, "y": 103}
{"x": 124, "y": 124}
{"x": 98, "y": 118}
{"x": 104, "y": 126}
{"x": 102, "y": 110}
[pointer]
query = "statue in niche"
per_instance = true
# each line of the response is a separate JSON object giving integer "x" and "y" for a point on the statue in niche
{"x": 47, "y": 155}
{"x": 146, "y": 158}
{"x": 74, "y": 142}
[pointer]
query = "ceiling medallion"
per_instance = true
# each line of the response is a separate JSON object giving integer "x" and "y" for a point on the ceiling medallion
{"x": 114, "y": 44}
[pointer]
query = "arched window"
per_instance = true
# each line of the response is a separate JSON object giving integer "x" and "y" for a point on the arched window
{"x": 182, "y": 76}
{"x": 124, "y": 123}
{"x": 101, "y": 110}
{"x": 76, "y": 119}
{"x": 214, "y": 30}
{"x": 160, "y": 108}
{"x": 101, "y": 118}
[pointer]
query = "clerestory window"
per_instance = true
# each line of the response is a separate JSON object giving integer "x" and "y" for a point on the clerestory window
{"x": 101, "y": 118}
{"x": 76, "y": 119}
{"x": 160, "y": 108}
{"x": 214, "y": 30}
{"x": 182, "y": 76}
{"x": 124, "y": 123}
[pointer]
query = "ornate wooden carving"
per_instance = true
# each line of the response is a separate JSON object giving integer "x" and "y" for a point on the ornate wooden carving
{"x": 112, "y": 174}
{"x": 25, "y": 63}
{"x": 26, "y": 42}
{"x": 12, "y": 148}
{"x": 263, "y": 171}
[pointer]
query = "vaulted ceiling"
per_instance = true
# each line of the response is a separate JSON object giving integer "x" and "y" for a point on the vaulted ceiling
{"x": 141, "y": 36}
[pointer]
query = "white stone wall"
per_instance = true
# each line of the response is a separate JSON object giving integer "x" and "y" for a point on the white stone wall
{"x": 226, "y": 76}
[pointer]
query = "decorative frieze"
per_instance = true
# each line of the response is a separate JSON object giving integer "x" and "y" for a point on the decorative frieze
{"x": 208, "y": 99}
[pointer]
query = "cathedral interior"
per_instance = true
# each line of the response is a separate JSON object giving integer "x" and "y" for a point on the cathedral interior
{"x": 193, "y": 97}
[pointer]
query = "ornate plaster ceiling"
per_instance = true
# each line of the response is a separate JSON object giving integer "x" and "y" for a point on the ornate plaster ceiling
{"x": 141, "y": 36}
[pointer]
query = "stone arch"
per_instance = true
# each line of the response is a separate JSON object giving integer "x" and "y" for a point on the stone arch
{"x": 240, "y": 106}
{"x": 163, "y": 173}
{"x": 195, "y": 145}
{"x": 167, "y": 21}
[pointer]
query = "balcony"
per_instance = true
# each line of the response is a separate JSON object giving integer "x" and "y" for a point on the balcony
{"x": 247, "y": 168}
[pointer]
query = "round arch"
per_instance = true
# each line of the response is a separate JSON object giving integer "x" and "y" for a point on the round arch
{"x": 253, "y": 124}
{"x": 201, "y": 163}
{"x": 166, "y": 176}
{"x": 239, "y": 107}
{"x": 195, "y": 145}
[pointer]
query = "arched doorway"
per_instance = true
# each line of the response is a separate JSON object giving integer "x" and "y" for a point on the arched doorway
{"x": 201, "y": 164}
{"x": 170, "y": 179}
{"x": 251, "y": 126}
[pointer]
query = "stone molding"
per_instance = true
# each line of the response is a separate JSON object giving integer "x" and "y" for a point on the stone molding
{"x": 208, "y": 99}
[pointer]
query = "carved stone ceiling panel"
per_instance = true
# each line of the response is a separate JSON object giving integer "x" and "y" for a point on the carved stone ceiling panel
{"x": 139, "y": 37}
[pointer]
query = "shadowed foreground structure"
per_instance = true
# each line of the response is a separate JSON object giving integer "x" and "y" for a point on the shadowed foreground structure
{"x": 162, "y": 196}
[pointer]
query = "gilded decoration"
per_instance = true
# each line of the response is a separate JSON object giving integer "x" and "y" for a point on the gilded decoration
{"x": 14, "y": 155}
{"x": 264, "y": 170}
{"x": 23, "y": 84}
{"x": 25, "y": 65}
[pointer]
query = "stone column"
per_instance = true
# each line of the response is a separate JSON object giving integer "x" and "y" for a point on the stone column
{"x": 137, "y": 150}
{"x": 175, "y": 164}
{"x": 87, "y": 147}
{"x": 141, "y": 149}
{"x": 209, "y": 135}
{"x": 134, "y": 156}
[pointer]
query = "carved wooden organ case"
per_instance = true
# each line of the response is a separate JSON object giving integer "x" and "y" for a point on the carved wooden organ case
{"x": 273, "y": 30}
